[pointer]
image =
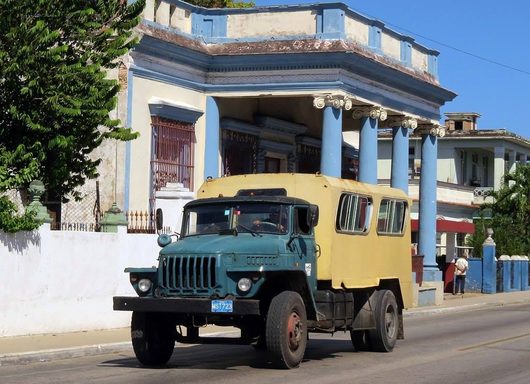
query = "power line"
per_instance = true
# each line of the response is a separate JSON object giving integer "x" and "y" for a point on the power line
{"x": 494, "y": 62}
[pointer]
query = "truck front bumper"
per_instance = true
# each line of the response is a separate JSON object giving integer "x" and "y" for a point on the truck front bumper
{"x": 190, "y": 306}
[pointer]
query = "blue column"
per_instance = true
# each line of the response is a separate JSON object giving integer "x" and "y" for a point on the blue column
{"x": 368, "y": 151}
{"x": 400, "y": 159}
{"x": 427, "y": 214}
{"x": 331, "y": 155}
{"x": 489, "y": 267}
{"x": 212, "y": 134}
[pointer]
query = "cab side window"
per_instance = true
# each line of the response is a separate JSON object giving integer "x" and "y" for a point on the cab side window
{"x": 354, "y": 214}
{"x": 300, "y": 221}
{"x": 391, "y": 217}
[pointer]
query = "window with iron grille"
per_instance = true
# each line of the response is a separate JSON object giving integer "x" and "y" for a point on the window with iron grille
{"x": 172, "y": 153}
{"x": 308, "y": 159}
{"x": 240, "y": 151}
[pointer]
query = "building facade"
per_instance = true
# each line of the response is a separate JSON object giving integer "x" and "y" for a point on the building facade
{"x": 303, "y": 88}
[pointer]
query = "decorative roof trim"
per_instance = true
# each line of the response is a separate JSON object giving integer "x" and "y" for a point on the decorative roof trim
{"x": 174, "y": 111}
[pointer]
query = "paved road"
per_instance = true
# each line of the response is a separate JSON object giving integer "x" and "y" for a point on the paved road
{"x": 490, "y": 345}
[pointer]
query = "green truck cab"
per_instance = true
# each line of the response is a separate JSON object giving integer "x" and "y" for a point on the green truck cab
{"x": 250, "y": 260}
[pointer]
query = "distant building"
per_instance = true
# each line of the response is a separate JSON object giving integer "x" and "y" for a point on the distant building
{"x": 471, "y": 162}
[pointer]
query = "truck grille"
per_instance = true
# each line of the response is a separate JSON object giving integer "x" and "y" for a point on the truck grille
{"x": 192, "y": 274}
{"x": 262, "y": 260}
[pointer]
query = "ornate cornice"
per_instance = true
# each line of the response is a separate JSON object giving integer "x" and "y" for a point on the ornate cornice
{"x": 335, "y": 101}
{"x": 402, "y": 121}
{"x": 430, "y": 129}
{"x": 371, "y": 112}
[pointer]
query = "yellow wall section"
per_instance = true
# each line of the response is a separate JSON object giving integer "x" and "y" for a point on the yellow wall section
{"x": 271, "y": 24}
{"x": 391, "y": 46}
{"x": 419, "y": 60}
{"x": 356, "y": 30}
{"x": 181, "y": 20}
{"x": 144, "y": 91}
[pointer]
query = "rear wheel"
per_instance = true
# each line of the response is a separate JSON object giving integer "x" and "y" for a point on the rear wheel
{"x": 286, "y": 329}
{"x": 383, "y": 337}
{"x": 152, "y": 338}
{"x": 360, "y": 340}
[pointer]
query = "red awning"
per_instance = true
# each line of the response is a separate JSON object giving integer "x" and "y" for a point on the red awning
{"x": 443, "y": 225}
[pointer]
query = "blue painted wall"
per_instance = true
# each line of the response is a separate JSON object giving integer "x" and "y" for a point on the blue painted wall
{"x": 474, "y": 275}
{"x": 406, "y": 53}
{"x": 489, "y": 269}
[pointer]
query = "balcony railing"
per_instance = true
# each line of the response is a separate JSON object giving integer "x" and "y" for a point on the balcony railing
{"x": 481, "y": 195}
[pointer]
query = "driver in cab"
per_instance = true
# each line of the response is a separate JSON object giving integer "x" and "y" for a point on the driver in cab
{"x": 274, "y": 223}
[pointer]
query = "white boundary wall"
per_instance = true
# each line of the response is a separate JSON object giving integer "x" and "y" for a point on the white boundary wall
{"x": 59, "y": 281}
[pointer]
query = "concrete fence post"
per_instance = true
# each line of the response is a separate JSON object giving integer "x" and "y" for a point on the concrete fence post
{"x": 489, "y": 265}
{"x": 114, "y": 220}
{"x": 517, "y": 265}
{"x": 36, "y": 189}
{"x": 507, "y": 271}
{"x": 525, "y": 282}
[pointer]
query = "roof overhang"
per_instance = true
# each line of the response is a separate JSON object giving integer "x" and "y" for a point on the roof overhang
{"x": 443, "y": 225}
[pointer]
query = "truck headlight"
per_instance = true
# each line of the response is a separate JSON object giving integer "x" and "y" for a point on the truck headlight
{"x": 244, "y": 284}
{"x": 144, "y": 285}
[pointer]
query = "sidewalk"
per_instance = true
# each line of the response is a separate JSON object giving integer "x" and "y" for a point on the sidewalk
{"x": 25, "y": 349}
{"x": 39, "y": 348}
{"x": 470, "y": 301}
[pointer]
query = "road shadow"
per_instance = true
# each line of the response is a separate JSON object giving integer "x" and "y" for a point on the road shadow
{"x": 229, "y": 357}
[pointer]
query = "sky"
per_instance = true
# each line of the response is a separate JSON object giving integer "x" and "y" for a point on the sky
{"x": 497, "y": 86}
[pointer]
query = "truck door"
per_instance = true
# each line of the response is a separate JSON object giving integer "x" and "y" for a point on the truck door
{"x": 303, "y": 244}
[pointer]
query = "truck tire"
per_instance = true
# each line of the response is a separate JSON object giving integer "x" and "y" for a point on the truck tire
{"x": 286, "y": 330}
{"x": 152, "y": 338}
{"x": 360, "y": 340}
{"x": 383, "y": 337}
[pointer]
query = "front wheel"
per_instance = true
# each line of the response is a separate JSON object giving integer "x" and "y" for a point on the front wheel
{"x": 152, "y": 337}
{"x": 286, "y": 329}
{"x": 383, "y": 337}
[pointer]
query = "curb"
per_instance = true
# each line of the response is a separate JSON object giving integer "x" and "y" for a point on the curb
{"x": 441, "y": 310}
{"x": 47, "y": 355}
{"x": 62, "y": 353}
{"x": 460, "y": 308}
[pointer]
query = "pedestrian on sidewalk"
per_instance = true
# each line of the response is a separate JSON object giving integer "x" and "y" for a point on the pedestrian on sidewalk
{"x": 461, "y": 267}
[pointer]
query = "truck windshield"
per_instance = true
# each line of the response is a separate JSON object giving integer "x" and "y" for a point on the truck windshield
{"x": 241, "y": 217}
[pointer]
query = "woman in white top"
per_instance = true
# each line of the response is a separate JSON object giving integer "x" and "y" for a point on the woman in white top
{"x": 461, "y": 267}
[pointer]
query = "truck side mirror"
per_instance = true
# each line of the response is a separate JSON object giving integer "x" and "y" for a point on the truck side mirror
{"x": 159, "y": 219}
{"x": 312, "y": 215}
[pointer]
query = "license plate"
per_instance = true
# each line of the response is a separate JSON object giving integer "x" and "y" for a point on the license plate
{"x": 222, "y": 306}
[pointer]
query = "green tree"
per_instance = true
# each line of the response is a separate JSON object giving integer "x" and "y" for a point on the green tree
{"x": 477, "y": 239}
{"x": 510, "y": 213}
{"x": 55, "y": 96}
